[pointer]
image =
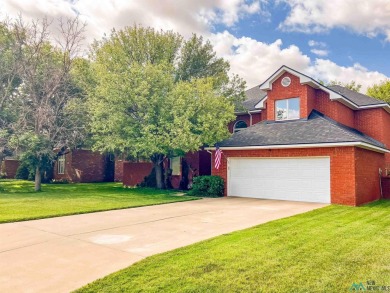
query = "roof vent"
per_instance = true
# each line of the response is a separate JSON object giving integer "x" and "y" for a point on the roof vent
{"x": 286, "y": 81}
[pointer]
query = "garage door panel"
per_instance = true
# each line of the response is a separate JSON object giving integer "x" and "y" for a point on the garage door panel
{"x": 299, "y": 179}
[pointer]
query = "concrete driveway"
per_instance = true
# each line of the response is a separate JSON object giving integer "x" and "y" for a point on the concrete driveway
{"x": 65, "y": 253}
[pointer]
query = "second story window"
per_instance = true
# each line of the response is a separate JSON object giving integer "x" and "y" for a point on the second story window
{"x": 287, "y": 109}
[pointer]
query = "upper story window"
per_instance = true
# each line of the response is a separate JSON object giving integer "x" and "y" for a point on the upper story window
{"x": 287, "y": 109}
{"x": 61, "y": 164}
{"x": 239, "y": 125}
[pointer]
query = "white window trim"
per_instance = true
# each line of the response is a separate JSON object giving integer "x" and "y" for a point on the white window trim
{"x": 299, "y": 110}
{"x": 61, "y": 165}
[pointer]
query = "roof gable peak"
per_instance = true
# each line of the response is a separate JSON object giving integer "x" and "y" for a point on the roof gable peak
{"x": 306, "y": 80}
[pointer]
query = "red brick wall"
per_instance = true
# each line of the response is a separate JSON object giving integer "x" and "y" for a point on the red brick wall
{"x": 334, "y": 109}
{"x": 375, "y": 123}
{"x": 344, "y": 174}
{"x": 83, "y": 166}
{"x": 118, "y": 176}
{"x": 134, "y": 173}
{"x": 294, "y": 90}
{"x": 10, "y": 167}
{"x": 367, "y": 175}
{"x": 310, "y": 99}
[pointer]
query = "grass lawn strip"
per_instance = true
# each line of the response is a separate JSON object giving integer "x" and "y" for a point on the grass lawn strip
{"x": 18, "y": 201}
{"x": 324, "y": 250}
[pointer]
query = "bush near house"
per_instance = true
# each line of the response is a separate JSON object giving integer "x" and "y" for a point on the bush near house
{"x": 207, "y": 186}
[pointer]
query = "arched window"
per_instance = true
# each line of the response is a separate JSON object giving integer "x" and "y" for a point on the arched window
{"x": 239, "y": 125}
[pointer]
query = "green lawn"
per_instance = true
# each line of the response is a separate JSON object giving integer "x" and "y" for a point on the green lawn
{"x": 325, "y": 250}
{"x": 19, "y": 202}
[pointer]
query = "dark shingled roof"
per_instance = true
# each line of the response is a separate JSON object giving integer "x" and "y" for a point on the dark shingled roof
{"x": 355, "y": 97}
{"x": 317, "y": 129}
{"x": 253, "y": 96}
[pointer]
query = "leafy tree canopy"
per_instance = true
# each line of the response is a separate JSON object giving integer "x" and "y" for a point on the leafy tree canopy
{"x": 157, "y": 95}
{"x": 46, "y": 97}
{"x": 380, "y": 91}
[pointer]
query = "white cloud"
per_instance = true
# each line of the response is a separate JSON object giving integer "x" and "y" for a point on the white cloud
{"x": 251, "y": 59}
{"x": 369, "y": 18}
{"x": 313, "y": 43}
{"x": 327, "y": 70}
{"x": 255, "y": 61}
{"x": 186, "y": 17}
{"x": 320, "y": 52}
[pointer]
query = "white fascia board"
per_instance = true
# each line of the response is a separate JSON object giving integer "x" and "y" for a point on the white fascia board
{"x": 384, "y": 105}
{"x": 303, "y": 146}
{"x": 267, "y": 85}
{"x": 260, "y": 105}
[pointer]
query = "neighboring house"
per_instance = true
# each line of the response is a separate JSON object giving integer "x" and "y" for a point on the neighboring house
{"x": 9, "y": 168}
{"x": 82, "y": 165}
{"x": 311, "y": 143}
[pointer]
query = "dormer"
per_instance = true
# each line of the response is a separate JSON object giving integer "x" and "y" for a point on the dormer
{"x": 290, "y": 92}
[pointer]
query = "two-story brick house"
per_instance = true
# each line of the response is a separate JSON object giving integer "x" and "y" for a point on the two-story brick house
{"x": 306, "y": 142}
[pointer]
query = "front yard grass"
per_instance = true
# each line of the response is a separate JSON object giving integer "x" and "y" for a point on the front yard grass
{"x": 19, "y": 202}
{"x": 324, "y": 250}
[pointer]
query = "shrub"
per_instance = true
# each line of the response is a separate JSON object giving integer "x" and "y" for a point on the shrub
{"x": 25, "y": 172}
{"x": 207, "y": 186}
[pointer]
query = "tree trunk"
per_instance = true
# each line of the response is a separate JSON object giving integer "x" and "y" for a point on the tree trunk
{"x": 38, "y": 179}
{"x": 159, "y": 170}
{"x": 157, "y": 160}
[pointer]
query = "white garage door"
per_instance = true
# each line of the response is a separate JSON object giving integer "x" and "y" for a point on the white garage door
{"x": 297, "y": 179}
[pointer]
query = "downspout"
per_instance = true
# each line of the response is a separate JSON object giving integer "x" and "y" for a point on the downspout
{"x": 250, "y": 118}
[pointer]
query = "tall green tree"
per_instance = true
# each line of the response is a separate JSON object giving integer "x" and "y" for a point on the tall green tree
{"x": 46, "y": 99}
{"x": 380, "y": 91}
{"x": 9, "y": 81}
{"x": 158, "y": 95}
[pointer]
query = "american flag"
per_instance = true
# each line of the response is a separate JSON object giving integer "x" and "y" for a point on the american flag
{"x": 218, "y": 157}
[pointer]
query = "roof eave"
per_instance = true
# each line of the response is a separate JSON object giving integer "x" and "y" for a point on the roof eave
{"x": 248, "y": 112}
{"x": 363, "y": 145}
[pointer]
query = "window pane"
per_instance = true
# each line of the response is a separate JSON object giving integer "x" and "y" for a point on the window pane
{"x": 281, "y": 110}
{"x": 240, "y": 125}
{"x": 175, "y": 165}
{"x": 61, "y": 164}
{"x": 293, "y": 108}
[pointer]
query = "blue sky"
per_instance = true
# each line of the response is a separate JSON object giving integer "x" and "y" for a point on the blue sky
{"x": 329, "y": 40}
{"x": 343, "y": 45}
